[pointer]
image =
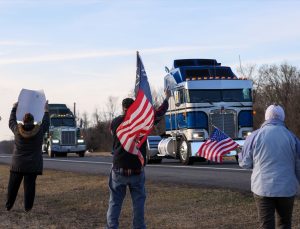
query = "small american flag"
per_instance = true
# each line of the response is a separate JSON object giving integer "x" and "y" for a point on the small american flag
{"x": 216, "y": 146}
{"x": 139, "y": 118}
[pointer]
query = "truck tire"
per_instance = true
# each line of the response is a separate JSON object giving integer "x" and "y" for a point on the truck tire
{"x": 61, "y": 155}
{"x": 152, "y": 160}
{"x": 81, "y": 154}
{"x": 50, "y": 152}
{"x": 185, "y": 153}
{"x": 157, "y": 160}
{"x": 148, "y": 160}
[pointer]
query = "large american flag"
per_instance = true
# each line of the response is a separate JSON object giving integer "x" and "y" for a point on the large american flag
{"x": 139, "y": 118}
{"x": 216, "y": 146}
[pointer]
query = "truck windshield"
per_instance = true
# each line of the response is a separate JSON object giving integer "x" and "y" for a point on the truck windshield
{"x": 217, "y": 95}
{"x": 63, "y": 122}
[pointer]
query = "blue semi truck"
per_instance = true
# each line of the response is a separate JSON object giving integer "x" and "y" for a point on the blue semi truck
{"x": 205, "y": 95}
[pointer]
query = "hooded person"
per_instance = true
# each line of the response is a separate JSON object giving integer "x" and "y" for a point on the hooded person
{"x": 27, "y": 160}
{"x": 273, "y": 152}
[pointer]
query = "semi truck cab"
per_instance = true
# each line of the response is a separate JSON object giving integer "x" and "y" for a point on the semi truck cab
{"x": 63, "y": 136}
{"x": 205, "y": 95}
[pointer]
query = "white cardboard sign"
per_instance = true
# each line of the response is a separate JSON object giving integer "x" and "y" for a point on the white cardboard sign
{"x": 31, "y": 101}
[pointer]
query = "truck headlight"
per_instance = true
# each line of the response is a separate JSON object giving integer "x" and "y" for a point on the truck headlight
{"x": 245, "y": 134}
{"x": 198, "y": 135}
{"x": 55, "y": 141}
{"x": 80, "y": 141}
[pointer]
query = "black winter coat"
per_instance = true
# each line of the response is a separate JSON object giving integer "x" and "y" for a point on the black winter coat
{"x": 124, "y": 159}
{"x": 27, "y": 155}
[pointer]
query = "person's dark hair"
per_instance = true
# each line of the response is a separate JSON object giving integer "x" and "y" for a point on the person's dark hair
{"x": 126, "y": 103}
{"x": 28, "y": 119}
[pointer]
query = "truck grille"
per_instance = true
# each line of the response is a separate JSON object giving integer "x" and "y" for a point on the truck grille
{"x": 68, "y": 137}
{"x": 225, "y": 120}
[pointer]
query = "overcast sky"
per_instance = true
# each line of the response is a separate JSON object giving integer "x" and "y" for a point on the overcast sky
{"x": 84, "y": 50}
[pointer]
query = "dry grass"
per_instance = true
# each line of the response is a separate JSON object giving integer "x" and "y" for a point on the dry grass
{"x": 69, "y": 200}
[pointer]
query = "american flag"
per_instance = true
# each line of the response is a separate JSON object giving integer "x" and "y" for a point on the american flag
{"x": 216, "y": 146}
{"x": 139, "y": 118}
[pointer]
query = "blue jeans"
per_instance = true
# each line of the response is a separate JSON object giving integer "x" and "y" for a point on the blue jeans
{"x": 117, "y": 187}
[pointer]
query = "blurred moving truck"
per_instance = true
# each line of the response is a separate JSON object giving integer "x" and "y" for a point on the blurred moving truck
{"x": 63, "y": 136}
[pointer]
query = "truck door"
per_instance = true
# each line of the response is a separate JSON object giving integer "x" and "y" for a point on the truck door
{"x": 180, "y": 102}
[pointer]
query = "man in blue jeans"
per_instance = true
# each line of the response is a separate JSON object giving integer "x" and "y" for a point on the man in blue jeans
{"x": 128, "y": 171}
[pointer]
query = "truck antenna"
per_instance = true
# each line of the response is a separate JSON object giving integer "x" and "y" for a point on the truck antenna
{"x": 241, "y": 68}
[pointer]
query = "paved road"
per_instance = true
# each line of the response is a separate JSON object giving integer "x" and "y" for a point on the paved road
{"x": 227, "y": 175}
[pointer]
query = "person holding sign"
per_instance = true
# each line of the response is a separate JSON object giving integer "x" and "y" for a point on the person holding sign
{"x": 27, "y": 160}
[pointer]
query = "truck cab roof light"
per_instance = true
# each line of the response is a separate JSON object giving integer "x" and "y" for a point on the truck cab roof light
{"x": 188, "y": 78}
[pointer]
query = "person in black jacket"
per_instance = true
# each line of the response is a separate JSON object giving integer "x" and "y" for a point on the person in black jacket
{"x": 27, "y": 160}
{"x": 128, "y": 171}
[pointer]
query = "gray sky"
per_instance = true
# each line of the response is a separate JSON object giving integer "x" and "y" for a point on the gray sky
{"x": 84, "y": 50}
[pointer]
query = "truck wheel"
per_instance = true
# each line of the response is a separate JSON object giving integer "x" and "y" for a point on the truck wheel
{"x": 152, "y": 160}
{"x": 148, "y": 159}
{"x": 156, "y": 160}
{"x": 50, "y": 152}
{"x": 61, "y": 155}
{"x": 184, "y": 153}
{"x": 81, "y": 154}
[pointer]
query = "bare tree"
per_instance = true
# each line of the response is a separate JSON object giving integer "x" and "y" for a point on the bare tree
{"x": 112, "y": 107}
{"x": 279, "y": 84}
{"x": 96, "y": 117}
{"x": 85, "y": 120}
{"x": 247, "y": 71}
{"x": 98, "y": 136}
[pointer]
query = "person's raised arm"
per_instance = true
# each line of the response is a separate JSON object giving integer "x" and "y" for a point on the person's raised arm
{"x": 160, "y": 112}
{"x": 13, "y": 118}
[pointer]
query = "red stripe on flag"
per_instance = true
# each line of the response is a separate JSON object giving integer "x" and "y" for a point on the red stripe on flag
{"x": 139, "y": 125}
{"x": 138, "y": 120}
{"x": 132, "y": 114}
{"x": 213, "y": 150}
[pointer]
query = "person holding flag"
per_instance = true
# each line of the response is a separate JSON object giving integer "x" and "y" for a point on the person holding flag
{"x": 130, "y": 132}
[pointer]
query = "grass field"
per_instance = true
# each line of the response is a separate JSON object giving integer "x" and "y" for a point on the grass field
{"x": 69, "y": 200}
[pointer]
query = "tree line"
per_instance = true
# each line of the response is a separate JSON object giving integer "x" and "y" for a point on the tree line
{"x": 272, "y": 84}
{"x": 275, "y": 84}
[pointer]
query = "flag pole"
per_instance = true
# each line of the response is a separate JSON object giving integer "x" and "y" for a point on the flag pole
{"x": 215, "y": 126}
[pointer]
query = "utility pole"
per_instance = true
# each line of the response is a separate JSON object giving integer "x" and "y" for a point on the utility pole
{"x": 74, "y": 110}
